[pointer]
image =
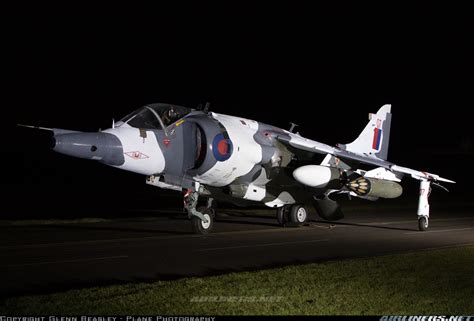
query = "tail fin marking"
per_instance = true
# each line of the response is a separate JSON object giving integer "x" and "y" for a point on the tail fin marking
{"x": 374, "y": 139}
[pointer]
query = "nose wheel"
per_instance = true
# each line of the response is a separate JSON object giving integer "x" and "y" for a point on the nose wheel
{"x": 203, "y": 226}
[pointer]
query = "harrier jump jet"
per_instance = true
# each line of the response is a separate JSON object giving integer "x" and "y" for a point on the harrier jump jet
{"x": 211, "y": 156}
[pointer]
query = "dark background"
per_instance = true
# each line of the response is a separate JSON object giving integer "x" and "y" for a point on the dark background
{"x": 322, "y": 68}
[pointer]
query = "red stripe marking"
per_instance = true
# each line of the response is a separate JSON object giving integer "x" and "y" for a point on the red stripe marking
{"x": 374, "y": 142}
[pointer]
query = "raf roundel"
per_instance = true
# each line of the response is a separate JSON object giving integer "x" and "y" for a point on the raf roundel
{"x": 222, "y": 147}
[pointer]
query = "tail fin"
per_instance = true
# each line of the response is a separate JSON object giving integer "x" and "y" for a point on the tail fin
{"x": 373, "y": 140}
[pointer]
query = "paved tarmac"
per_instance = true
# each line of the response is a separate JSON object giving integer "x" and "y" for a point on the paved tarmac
{"x": 46, "y": 258}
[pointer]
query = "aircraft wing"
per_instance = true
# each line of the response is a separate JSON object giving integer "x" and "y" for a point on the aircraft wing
{"x": 298, "y": 142}
{"x": 309, "y": 145}
{"x": 419, "y": 175}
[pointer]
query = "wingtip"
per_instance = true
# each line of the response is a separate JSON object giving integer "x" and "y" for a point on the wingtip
{"x": 446, "y": 180}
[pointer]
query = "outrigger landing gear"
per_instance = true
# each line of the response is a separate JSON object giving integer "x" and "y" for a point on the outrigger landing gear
{"x": 296, "y": 214}
{"x": 202, "y": 221}
{"x": 423, "y": 205}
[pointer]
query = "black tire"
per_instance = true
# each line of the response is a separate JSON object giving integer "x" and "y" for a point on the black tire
{"x": 281, "y": 216}
{"x": 199, "y": 227}
{"x": 298, "y": 214}
{"x": 423, "y": 223}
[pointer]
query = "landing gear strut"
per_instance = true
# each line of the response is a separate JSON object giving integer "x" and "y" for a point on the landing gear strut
{"x": 296, "y": 214}
{"x": 202, "y": 220}
{"x": 423, "y": 205}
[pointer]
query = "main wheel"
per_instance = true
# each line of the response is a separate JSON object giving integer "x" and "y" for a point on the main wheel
{"x": 298, "y": 214}
{"x": 201, "y": 227}
{"x": 281, "y": 216}
{"x": 423, "y": 223}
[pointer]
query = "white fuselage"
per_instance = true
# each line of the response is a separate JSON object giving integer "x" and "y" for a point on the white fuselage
{"x": 142, "y": 155}
{"x": 246, "y": 152}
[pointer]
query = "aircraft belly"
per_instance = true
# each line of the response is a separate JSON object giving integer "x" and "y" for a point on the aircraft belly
{"x": 257, "y": 190}
{"x": 142, "y": 152}
{"x": 282, "y": 199}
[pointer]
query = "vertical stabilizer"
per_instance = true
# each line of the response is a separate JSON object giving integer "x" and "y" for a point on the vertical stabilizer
{"x": 373, "y": 140}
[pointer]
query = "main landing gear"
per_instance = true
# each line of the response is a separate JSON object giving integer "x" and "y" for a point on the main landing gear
{"x": 202, "y": 219}
{"x": 295, "y": 214}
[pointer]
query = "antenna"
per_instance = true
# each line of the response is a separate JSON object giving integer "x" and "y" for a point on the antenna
{"x": 293, "y": 126}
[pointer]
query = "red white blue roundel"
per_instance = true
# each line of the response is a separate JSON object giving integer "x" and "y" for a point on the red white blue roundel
{"x": 222, "y": 147}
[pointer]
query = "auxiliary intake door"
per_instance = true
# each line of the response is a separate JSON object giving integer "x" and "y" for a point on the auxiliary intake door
{"x": 179, "y": 149}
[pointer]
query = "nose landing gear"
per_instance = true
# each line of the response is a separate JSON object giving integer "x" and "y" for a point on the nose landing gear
{"x": 202, "y": 219}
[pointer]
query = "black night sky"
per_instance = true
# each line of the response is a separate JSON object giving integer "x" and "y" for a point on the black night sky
{"x": 324, "y": 69}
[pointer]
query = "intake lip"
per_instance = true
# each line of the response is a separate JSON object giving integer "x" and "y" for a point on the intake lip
{"x": 103, "y": 147}
{"x": 53, "y": 142}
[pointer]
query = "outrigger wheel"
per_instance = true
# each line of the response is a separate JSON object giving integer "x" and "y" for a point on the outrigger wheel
{"x": 423, "y": 223}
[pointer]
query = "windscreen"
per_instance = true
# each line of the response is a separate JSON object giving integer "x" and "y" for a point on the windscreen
{"x": 151, "y": 115}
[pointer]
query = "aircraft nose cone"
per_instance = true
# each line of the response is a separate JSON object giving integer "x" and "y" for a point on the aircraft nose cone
{"x": 103, "y": 147}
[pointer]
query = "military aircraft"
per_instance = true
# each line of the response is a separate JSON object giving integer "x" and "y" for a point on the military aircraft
{"x": 211, "y": 156}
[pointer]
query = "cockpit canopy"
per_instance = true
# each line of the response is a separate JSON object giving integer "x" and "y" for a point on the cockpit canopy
{"x": 156, "y": 116}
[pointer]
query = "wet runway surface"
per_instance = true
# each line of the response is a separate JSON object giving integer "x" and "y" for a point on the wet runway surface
{"x": 47, "y": 258}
